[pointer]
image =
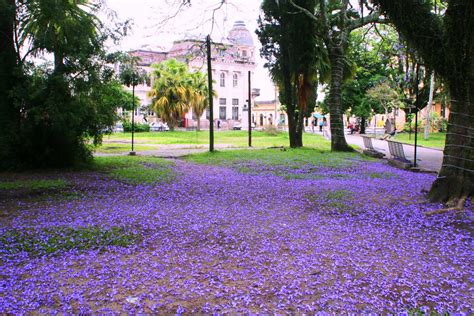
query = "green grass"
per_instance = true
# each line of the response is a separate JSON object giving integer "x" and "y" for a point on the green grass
{"x": 135, "y": 169}
{"x": 289, "y": 158}
{"x": 335, "y": 202}
{"x": 435, "y": 140}
{"x": 34, "y": 184}
{"x": 339, "y": 195}
{"x": 229, "y": 138}
{"x": 53, "y": 240}
{"x": 381, "y": 175}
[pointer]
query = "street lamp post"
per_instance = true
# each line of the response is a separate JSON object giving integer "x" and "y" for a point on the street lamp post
{"x": 133, "y": 153}
{"x": 211, "y": 100}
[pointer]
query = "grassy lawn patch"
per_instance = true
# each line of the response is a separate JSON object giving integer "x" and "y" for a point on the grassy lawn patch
{"x": 300, "y": 163}
{"x": 53, "y": 240}
{"x": 135, "y": 169}
{"x": 230, "y": 138}
{"x": 33, "y": 184}
{"x": 435, "y": 140}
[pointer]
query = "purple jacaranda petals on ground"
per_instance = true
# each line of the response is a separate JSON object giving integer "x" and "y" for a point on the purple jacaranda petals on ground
{"x": 274, "y": 239}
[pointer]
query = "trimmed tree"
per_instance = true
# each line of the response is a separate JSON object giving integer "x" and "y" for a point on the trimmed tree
{"x": 293, "y": 55}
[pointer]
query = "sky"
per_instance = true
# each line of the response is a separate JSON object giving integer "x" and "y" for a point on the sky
{"x": 157, "y": 23}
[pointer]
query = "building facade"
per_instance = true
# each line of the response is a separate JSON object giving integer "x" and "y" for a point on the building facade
{"x": 232, "y": 60}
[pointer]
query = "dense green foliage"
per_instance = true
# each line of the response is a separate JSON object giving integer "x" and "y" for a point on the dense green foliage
{"x": 371, "y": 56}
{"x": 52, "y": 113}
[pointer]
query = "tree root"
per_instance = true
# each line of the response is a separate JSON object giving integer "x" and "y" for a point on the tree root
{"x": 458, "y": 208}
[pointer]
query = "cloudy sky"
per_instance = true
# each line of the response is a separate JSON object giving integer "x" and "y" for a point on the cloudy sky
{"x": 157, "y": 23}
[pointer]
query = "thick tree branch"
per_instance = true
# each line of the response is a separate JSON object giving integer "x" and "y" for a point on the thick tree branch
{"x": 372, "y": 18}
{"x": 312, "y": 16}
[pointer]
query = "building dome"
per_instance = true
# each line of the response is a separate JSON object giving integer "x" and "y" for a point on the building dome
{"x": 240, "y": 35}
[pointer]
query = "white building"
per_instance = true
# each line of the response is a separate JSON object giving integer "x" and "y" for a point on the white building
{"x": 231, "y": 62}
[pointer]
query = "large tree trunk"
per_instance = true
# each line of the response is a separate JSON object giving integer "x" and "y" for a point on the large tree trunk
{"x": 198, "y": 124}
{"x": 456, "y": 178}
{"x": 338, "y": 140}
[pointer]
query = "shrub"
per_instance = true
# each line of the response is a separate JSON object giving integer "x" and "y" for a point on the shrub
{"x": 139, "y": 127}
{"x": 271, "y": 130}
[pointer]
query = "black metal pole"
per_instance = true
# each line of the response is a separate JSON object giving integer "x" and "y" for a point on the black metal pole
{"x": 250, "y": 110}
{"x": 417, "y": 105}
{"x": 133, "y": 118}
{"x": 211, "y": 100}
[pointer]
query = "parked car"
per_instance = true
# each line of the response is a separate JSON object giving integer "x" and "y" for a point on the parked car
{"x": 118, "y": 128}
{"x": 237, "y": 127}
{"x": 159, "y": 127}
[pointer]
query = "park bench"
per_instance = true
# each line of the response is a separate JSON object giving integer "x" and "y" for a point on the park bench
{"x": 398, "y": 155}
{"x": 370, "y": 150}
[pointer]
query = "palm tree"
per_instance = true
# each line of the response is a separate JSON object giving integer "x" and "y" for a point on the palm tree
{"x": 170, "y": 91}
{"x": 197, "y": 95}
{"x": 60, "y": 27}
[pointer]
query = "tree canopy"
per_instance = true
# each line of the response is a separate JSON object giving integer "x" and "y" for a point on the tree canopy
{"x": 53, "y": 113}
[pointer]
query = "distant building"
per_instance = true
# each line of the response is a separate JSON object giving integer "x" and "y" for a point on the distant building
{"x": 231, "y": 62}
{"x": 266, "y": 113}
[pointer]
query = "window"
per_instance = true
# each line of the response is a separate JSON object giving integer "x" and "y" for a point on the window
{"x": 222, "y": 112}
{"x": 221, "y": 52}
{"x": 208, "y": 114}
{"x": 236, "y": 80}
{"x": 222, "y": 101}
{"x": 282, "y": 119}
{"x": 244, "y": 53}
{"x": 222, "y": 79}
{"x": 235, "y": 101}
{"x": 235, "y": 112}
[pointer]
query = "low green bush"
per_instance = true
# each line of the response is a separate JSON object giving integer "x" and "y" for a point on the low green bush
{"x": 139, "y": 127}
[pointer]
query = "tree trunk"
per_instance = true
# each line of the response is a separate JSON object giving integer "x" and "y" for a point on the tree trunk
{"x": 292, "y": 128}
{"x": 456, "y": 177}
{"x": 338, "y": 140}
{"x": 198, "y": 124}
{"x": 362, "y": 125}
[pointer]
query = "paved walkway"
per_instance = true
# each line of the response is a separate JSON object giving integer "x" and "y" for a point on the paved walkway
{"x": 429, "y": 159}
